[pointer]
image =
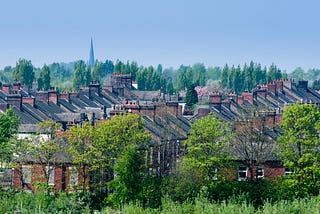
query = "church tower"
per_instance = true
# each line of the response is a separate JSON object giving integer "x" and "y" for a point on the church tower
{"x": 91, "y": 57}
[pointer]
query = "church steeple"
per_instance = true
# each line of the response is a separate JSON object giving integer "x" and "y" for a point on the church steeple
{"x": 91, "y": 57}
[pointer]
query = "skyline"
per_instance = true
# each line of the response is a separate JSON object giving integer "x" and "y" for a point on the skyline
{"x": 165, "y": 32}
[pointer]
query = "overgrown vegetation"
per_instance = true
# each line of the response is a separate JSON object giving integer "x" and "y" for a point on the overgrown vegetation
{"x": 79, "y": 203}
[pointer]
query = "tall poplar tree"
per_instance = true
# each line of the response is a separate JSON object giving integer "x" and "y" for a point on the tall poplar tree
{"x": 24, "y": 72}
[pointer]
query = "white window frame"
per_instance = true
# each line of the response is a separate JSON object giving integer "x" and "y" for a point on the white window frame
{"x": 287, "y": 171}
{"x": 51, "y": 174}
{"x": 242, "y": 169}
{"x": 26, "y": 172}
{"x": 262, "y": 172}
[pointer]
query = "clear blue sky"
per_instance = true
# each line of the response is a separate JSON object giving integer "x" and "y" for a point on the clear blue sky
{"x": 170, "y": 32}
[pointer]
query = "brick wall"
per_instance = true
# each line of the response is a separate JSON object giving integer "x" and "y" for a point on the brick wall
{"x": 215, "y": 101}
{"x": 202, "y": 112}
{"x": 148, "y": 111}
{"x": 248, "y": 96}
{"x": 240, "y": 100}
{"x": 65, "y": 95}
{"x": 172, "y": 107}
{"x": 6, "y": 88}
{"x": 271, "y": 87}
{"x": 29, "y": 100}
{"x": 262, "y": 93}
{"x": 53, "y": 96}
{"x": 14, "y": 100}
{"x": 279, "y": 86}
{"x": 16, "y": 86}
{"x": 42, "y": 95}
{"x": 73, "y": 94}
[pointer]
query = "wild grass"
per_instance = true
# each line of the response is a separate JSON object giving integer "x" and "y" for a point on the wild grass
{"x": 73, "y": 203}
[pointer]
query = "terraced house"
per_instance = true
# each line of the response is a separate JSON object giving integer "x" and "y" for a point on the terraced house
{"x": 257, "y": 113}
{"x": 255, "y": 117}
{"x": 161, "y": 113}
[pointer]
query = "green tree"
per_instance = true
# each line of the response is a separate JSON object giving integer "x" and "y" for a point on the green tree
{"x": 79, "y": 78}
{"x": 95, "y": 149}
{"x": 112, "y": 137}
{"x": 131, "y": 174}
{"x": 274, "y": 73}
{"x": 119, "y": 67}
{"x": 88, "y": 76}
{"x": 191, "y": 96}
{"x": 98, "y": 72}
{"x": 169, "y": 87}
{"x": 298, "y": 147}
{"x": 24, "y": 72}
{"x": 316, "y": 84}
{"x": 214, "y": 73}
{"x": 46, "y": 150}
{"x": 237, "y": 81}
{"x": 199, "y": 71}
{"x": 207, "y": 146}
{"x": 182, "y": 79}
{"x": 80, "y": 140}
{"x": 224, "y": 76}
{"x": 44, "y": 79}
{"x": 108, "y": 67}
{"x": 298, "y": 74}
{"x": 9, "y": 123}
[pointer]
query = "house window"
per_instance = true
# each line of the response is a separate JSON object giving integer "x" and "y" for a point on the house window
{"x": 5, "y": 176}
{"x": 242, "y": 173}
{"x": 287, "y": 171}
{"x": 73, "y": 176}
{"x": 50, "y": 172}
{"x": 26, "y": 172}
{"x": 260, "y": 172}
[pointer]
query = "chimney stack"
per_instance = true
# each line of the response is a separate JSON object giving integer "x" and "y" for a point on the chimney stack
{"x": 53, "y": 95}
{"x": 248, "y": 96}
{"x": 215, "y": 101}
{"x": 271, "y": 87}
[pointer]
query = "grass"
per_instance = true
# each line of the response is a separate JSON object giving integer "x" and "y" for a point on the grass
{"x": 63, "y": 203}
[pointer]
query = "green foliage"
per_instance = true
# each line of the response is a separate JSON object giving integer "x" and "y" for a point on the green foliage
{"x": 9, "y": 123}
{"x": 207, "y": 145}
{"x": 316, "y": 85}
{"x": 184, "y": 183}
{"x": 274, "y": 73}
{"x": 298, "y": 147}
{"x": 44, "y": 79}
{"x": 82, "y": 75}
{"x": 45, "y": 150}
{"x": 43, "y": 203}
{"x": 24, "y": 72}
{"x": 100, "y": 146}
{"x": 130, "y": 172}
{"x": 60, "y": 73}
{"x": 191, "y": 96}
{"x": 245, "y": 79}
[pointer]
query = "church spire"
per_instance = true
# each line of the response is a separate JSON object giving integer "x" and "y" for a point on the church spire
{"x": 91, "y": 57}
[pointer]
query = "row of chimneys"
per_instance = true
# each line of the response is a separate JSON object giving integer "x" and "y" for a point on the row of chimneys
{"x": 14, "y": 97}
{"x": 275, "y": 88}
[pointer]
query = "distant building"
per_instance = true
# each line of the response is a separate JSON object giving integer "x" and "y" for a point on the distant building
{"x": 91, "y": 57}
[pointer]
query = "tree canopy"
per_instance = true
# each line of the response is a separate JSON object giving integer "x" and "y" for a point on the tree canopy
{"x": 298, "y": 146}
{"x": 24, "y": 72}
{"x": 191, "y": 96}
{"x": 44, "y": 79}
{"x": 207, "y": 145}
{"x": 9, "y": 123}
